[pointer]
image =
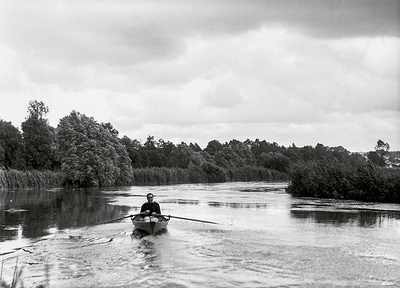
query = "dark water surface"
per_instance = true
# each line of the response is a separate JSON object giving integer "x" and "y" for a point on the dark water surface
{"x": 267, "y": 239}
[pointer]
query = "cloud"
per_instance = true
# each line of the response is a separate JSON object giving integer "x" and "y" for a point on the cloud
{"x": 196, "y": 70}
{"x": 222, "y": 97}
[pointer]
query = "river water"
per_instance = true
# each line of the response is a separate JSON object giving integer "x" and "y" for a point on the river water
{"x": 266, "y": 238}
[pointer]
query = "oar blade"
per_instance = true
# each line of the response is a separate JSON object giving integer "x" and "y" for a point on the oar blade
{"x": 191, "y": 219}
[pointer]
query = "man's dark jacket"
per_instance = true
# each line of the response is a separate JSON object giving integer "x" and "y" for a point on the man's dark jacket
{"x": 153, "y": 207}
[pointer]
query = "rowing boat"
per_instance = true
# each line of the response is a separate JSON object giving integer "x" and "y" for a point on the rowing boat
{"x": 150, "y": 225}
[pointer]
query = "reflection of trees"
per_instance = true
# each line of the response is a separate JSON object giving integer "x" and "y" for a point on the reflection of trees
{"x": 360, "y": 218}
{"x": 237, "y": 205}
{"x": 40, "y": 210}
{"x": 182, "y": 201}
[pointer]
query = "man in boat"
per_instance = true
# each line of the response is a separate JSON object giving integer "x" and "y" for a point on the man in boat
{"x": 150, "y": 208}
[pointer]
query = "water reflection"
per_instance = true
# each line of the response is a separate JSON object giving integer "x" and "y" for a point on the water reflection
{"x": 35, "y": 211}
{"x": 237, "y": 205}
{"x": 139, "y": 234}
{"x": 359, "y": 218}
{"x": 182, "y": 201}
{"x": 262, "y": 189}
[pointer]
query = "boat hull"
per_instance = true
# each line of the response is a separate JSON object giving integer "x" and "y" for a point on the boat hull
{"x": 154, "y": 226}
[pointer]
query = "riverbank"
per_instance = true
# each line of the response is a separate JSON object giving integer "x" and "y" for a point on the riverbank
{"x": 14, "y": 179}
{"x": 353, "y": 179}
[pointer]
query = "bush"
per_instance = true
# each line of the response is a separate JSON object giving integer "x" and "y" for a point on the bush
{"x": 354, "y": 178}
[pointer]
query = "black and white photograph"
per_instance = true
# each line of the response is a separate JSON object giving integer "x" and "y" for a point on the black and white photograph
{"x": 199, "y": 143}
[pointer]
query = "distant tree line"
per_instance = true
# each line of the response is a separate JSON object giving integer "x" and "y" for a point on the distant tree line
{"x": 81, "y": 152}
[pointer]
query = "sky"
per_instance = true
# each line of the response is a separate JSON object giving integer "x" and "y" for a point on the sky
{"x": 292, "y": 72}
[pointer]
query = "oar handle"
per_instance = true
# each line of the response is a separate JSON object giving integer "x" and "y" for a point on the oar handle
{"x": 133, "y": 215}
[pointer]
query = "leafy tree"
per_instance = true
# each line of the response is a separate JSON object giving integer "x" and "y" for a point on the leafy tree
{"x": 38, "y": 136}
{"x": 166, "y": 147}
{"x": 156, "y": 158}
{"x": 195, "y": 147}
{"x": 381, "y": 147}
{"x": 376, "y": 158}
{"x": 243, "y": 152}
{"x": 110, "y": 128}
{"x": 133, "y": 149}
{"x": 225, "y": 158}
{"x": 37, "y": 109}
{"x": 258, "y": 147}
{"x": 339, "y": 153}
{"x": 276, "y": 161}
{"x": 2, "y": 157}
{"x": 183, "y": 156}
{"x": 91, "y": 154}
{"x": 213, "y": 147}
{"x": 214, "y": 173}
{"x": 150, "y": 143}
{"x": 153, "y": 153}
{"x": 180, "y": 156}
{"x": 12, "y": 150}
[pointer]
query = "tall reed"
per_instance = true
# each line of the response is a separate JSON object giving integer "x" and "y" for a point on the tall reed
{"x": 195, "y": 174}
{"x": 13, "y": 179}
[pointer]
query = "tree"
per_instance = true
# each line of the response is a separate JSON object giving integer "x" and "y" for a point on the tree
{"x": 213, "y": 147}
{"x": 37, "y": 109}
{"x": 133, "y": 149}
{"x": 12, "y": 149}
{"x": 38, "y": 136}
{"x": 180, "y": 156}
{"x": 166, "y": 147}
{"x": 376, "y": 158}
{"x": 381, "y": 147}
{"x": 152, "y": 153}
{"x": 91, "y": 154}
{"x": 183, "y": 156}
{"x": 276, "y": 161}
{"x": 214, "y": 173}
{"x": 150, "y": 143}
{"x": 244, "y": 153}
{"x": 195, "y": 147}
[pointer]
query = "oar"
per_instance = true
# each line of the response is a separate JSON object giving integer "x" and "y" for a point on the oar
{"x": 117, "y": 219}
{"x": 189, "y": 219}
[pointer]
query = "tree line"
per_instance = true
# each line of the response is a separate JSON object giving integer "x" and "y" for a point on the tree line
{"x": 91, "y": 154}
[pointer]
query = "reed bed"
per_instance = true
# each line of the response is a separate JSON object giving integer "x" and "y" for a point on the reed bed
{"x": 250, "y": 173}
{"x": 356, "y": 179}
{"x": 163, "y": 176}
{"x": 15, "y": 179}
{"x": 196, "y": 174}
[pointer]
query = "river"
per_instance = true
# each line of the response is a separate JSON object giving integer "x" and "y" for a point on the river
{"x": 266, "y": 238}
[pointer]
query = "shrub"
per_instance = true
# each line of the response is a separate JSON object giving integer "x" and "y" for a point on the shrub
{"x": 353, "y": 178}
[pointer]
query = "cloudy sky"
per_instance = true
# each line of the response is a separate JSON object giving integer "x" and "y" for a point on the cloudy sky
{"x": 302, "y": 72}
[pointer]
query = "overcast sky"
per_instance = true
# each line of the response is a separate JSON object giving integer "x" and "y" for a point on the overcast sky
{"x": 302, "y": 72}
